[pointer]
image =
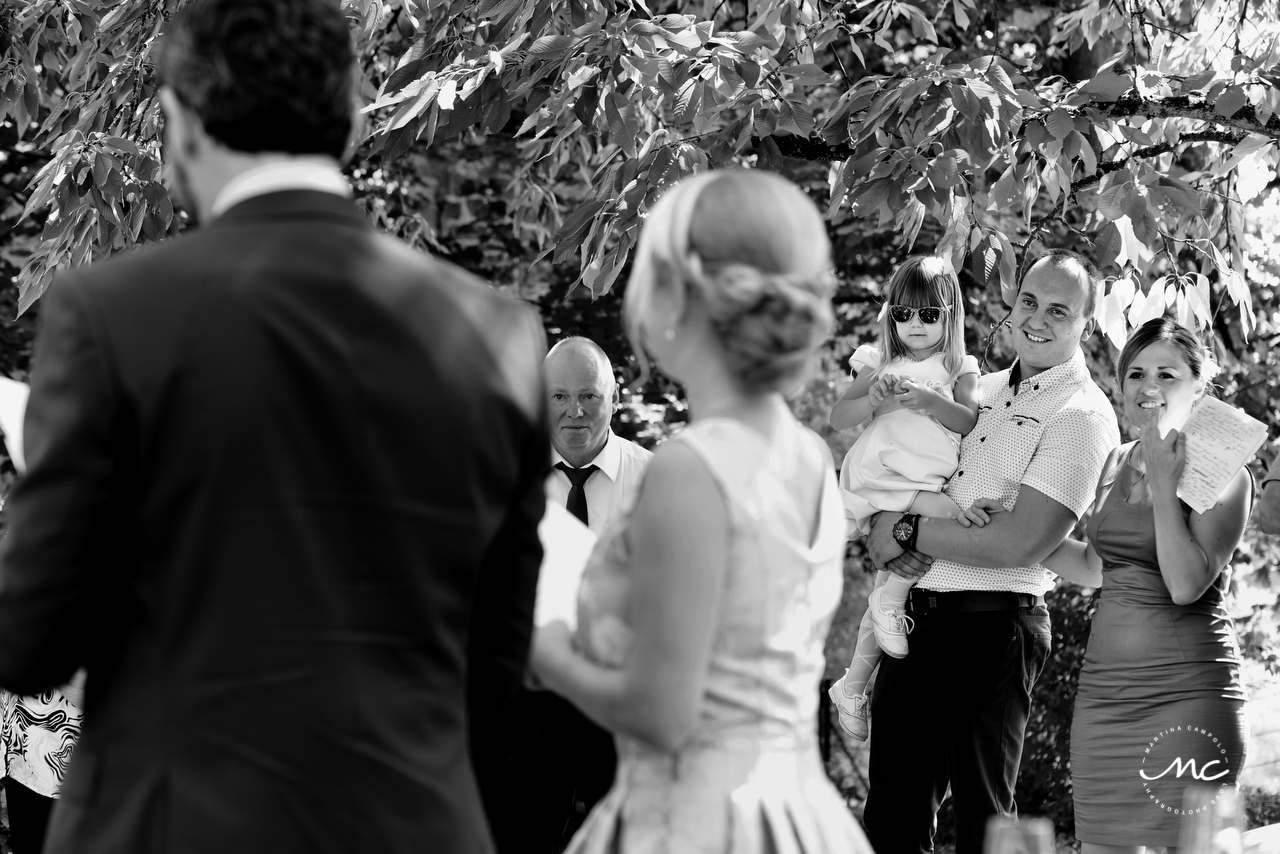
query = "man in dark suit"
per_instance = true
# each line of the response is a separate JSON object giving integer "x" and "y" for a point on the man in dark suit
{"x": 284, "y": 480}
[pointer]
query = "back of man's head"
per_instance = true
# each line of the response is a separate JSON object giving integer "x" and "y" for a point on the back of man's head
{"x": 263, "y": 75}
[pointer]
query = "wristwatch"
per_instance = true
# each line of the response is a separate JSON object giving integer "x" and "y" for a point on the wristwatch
{"x": 905, "y": 530}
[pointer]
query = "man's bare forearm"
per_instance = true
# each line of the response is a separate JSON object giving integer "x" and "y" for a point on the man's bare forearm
{"x": 1011, "y": 539}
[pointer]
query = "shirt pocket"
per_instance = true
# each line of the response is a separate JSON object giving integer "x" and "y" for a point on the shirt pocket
{"x": 1016, "y": 441}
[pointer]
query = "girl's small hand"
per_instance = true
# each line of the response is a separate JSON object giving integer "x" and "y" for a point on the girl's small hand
{"x": 979, "y": 512}
{"x": 552, "y": 646}
{"x": 881, "y": 389}
{"x": 913, "y": 395}
{"x": 1163, "y": 459}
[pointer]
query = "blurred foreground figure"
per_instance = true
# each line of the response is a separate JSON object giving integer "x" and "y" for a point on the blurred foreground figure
{"x": 284, "y": 478}
{"x": 703, "y": 610}
{"x": 1269, "y": 506}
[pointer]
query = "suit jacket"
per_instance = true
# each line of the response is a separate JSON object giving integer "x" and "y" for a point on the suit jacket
{"x": 284, "y": 480}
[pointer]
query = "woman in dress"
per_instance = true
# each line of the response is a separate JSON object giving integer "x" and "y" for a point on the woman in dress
{"x": 725, "y": 568}
{"x": 1160, "y": 704}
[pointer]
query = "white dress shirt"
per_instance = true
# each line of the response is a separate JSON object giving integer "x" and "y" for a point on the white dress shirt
{"x": 621, "y": 465}
{"x": 295, "y": 174}
{"x": 1053, "y": 433}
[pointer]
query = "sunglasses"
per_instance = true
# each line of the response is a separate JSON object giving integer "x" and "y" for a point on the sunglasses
{"x": 929, "y": 315}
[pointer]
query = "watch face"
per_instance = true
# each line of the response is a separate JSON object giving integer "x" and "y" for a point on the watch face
{"x": 902, "y": 530}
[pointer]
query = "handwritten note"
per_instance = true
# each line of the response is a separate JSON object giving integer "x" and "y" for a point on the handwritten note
{"x": 1220, "y": 439}
{"x": 566, "y": 545}
{"x": 13, "y": 408}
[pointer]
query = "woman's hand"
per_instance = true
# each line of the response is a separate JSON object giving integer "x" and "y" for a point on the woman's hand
{"x": 1162, "y": 458}
{"x": 915, "y": 396}
{"x": 552, "y": 648}
{"x": 881, "y": 388}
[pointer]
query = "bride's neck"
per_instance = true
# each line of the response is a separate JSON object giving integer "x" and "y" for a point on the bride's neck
{"x": 722, "y": 397}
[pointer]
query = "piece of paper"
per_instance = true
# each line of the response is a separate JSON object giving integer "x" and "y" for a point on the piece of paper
{"x": 13, "y": 408}
{"x": 1220, "y": 439}
{"x": 566, "y": 545}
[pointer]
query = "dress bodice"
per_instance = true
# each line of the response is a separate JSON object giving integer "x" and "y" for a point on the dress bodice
{"x": 781, "y": 589}
{"x": 749, "y": 778}
{"x": 1138, "y": 626}
{"x": 1123, "y": 534}
{"x": 929, "y": 372}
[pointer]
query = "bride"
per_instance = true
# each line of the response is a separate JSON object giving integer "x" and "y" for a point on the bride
{"x": 704, "y": 608}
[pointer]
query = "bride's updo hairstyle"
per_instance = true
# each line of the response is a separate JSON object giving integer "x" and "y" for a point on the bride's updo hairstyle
{"x": 752, "y": 249}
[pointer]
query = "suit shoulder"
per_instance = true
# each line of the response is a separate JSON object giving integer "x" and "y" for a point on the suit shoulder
{"x": 509, "y": 329}
{"x": 472, "y": 295}
{"x": 136, "y": 268}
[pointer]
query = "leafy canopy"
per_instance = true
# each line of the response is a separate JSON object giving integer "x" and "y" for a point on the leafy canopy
{"x": 1143, "y": 130}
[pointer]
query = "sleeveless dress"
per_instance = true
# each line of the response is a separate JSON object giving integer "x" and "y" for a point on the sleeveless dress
{"x": 901, "y": 452}
{"x": 1160, "y": 704}
{"x": 749, "y": 779}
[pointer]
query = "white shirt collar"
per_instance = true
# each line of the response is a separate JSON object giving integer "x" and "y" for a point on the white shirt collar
{"x": 608, "y": 460}
{"x": 292, "y": 174}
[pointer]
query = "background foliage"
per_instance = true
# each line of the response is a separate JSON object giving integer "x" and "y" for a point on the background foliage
{"x": 526, "y": 139}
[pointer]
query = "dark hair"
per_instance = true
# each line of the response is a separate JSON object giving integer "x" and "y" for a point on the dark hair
{"x": 1162, "y": 329}
{"x": 1079, "y": 266}
{"x": 264, "y": 75}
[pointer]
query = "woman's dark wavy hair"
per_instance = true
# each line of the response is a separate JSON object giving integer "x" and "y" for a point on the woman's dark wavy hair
{"x": 264, "y": 75}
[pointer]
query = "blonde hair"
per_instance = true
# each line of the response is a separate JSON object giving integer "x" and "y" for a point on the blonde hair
{"x": 919, "y": 282}
{"x": 753, "y": 248}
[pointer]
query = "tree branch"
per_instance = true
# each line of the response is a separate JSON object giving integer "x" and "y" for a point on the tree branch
{"x": 1155, "y": 151}
{"x": 1187, "y": 107}
{"x": 812, "y": 148}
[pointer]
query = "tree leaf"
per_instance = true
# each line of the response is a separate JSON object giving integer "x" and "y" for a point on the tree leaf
{"x": 547, "y": 47}
{"x": 1108, "y": 86}
{"x": 1060, "y": 124}
{"x": 1230, "y": 101}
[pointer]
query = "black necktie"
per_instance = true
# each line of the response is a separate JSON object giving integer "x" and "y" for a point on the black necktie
{"x": 577, "y": 502}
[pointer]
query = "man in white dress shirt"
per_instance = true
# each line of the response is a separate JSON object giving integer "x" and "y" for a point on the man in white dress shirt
{"x": 542, "y": 775}
{"x": 954, "y": 711}
{"x": 583, "y": 396}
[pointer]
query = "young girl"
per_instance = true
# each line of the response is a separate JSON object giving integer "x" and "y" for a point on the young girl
{"x": 918, "y": 386}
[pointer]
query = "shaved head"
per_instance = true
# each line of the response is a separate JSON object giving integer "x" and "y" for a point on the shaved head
{"x": 576, "y": 346}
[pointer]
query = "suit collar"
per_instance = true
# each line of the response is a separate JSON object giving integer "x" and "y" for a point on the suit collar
{"x": 292, "y": 205}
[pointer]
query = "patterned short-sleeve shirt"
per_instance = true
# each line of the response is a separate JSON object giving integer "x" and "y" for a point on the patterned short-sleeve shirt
{"x": 1053, "y": 433}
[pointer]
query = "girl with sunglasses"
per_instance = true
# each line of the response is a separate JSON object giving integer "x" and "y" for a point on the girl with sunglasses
{"x": 917, "y": 387}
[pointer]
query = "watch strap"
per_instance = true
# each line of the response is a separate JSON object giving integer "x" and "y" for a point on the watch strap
{"x": 909, "y": 544}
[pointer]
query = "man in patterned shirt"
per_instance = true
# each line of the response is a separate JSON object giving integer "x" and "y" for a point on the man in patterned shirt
{"x": 954, "y": 711}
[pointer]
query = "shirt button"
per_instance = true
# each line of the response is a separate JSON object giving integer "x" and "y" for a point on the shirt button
{"x": 1035, "y": 388}
{"x": 960, "y": 474}
{"x": 1007, "y": 402}
{"x": 982, "y": 439}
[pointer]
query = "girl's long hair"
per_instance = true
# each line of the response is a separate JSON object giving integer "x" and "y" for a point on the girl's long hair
{"x": 919, "y": 282}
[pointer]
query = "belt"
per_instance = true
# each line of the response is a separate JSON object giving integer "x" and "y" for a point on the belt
{"x": 956, "y": 601}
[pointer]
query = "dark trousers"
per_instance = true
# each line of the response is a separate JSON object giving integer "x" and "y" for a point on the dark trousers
{"x": 28, "y": 817}
{"x": 541, "y": 772}
{"x": 953, "y": 712}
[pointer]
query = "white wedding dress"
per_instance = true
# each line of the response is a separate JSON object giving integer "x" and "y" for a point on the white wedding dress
{"x": 750, "y": 779}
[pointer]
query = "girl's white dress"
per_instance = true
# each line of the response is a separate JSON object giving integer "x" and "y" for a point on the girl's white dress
{"x": 749, "y": 780}
{"x": 901, "y": 452}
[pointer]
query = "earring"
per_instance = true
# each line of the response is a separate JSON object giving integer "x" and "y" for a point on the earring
{"x": 670, "y": 334}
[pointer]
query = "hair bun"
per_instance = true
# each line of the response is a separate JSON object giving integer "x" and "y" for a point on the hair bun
{"x": 769, "y": 324}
